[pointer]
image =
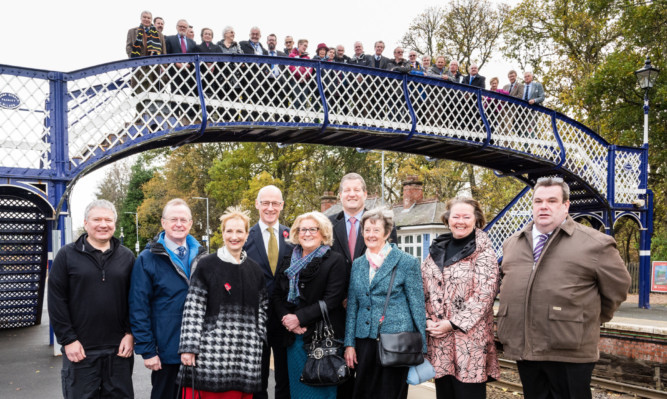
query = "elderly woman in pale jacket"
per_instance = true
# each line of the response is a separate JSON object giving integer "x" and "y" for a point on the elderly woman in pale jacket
{"x": 460, "y": 279}
{"x": 369, "y": 284}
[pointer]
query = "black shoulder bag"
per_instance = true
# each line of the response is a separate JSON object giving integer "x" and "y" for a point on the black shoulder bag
{"x": 402, "y": 349}
{"x": 324, "y": 366}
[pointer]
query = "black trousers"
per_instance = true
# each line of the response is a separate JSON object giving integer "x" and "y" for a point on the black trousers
{"x": 374, "y": 381}
{"x": 102, "y": 374}
{"x": 448, "y": 387}
{"x": 555, "y": 380}
{"x": 165, "y": 382}
{"x": 279, "y": 362}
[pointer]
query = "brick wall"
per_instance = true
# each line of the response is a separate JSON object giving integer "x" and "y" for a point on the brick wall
{"x": 634, "y": 349}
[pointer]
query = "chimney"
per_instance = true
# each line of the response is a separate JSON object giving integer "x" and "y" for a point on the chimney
{"x": 413, "y": 191}
{"x": 327, "y": 200}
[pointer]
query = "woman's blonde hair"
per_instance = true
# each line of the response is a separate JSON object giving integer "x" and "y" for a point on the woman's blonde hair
{"x": 323, "y": 223}
{"x": 235, "y": 212}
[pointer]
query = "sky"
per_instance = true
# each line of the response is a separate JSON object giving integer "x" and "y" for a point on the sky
{"x": 73, "y": 34}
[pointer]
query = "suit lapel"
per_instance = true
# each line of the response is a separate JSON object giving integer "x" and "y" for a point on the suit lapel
{"x": 341, "y": 236}
{"x": 282, "y": 245}
{"x": 259, "y": 243}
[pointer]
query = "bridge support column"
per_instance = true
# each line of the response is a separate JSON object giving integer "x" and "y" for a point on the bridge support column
{"x": 645, "y": 235}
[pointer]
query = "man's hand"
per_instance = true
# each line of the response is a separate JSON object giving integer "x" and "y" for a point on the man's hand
{"x": 153, "y": 363}
{"x": 75, "y": 352}
{"x": 126, "y": 346}
{"x": 290, "y": 321}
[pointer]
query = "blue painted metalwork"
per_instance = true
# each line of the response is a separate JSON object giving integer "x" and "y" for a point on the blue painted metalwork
{"x": 88, "y": 119}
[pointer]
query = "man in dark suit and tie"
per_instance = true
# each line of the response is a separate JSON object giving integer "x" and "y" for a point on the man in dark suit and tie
{"x": 253, "y": 47}
{"x": 267, "y": 245}
{"x": 474, "y": 79}
{"x": 274, "y": 82}
{"x": 348, "y": 238}
{"x": 182, "y": 73}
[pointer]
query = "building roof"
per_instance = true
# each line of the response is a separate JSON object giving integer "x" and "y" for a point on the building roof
{"x": 422, "y": 213}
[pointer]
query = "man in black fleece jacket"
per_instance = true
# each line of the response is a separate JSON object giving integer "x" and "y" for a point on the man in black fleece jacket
{"x": 88, "y": 290}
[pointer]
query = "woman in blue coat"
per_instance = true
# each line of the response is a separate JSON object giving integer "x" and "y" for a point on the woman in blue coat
{"x": 369, "y": 284}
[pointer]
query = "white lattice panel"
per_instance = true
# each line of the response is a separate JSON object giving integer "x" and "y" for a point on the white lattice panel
{"x": 512, "y": 221}
{"x": 585, "y": 156}
{"x": 446, "y": 112}
{"x": 23, "y": 129}
{"x": 627, "y": 176}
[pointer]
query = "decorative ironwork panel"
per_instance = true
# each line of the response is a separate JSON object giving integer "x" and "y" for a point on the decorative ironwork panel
{"x": 22, "y": 262}
{"x": 627, "y": 175}
{"x": 357, "y": 99}
{"x": 512, "y": 221}
{"x": 447, "y": 112}
{"x": 585, "y": 156}
{"x": 24, "y": 116}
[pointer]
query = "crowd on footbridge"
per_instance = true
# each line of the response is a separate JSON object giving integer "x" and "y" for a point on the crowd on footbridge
{"x": 149, "y": 39}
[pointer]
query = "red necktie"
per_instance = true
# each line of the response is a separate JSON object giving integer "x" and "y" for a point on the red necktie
{"x": 352, "y": 237}
{"x": 183, "y": 49}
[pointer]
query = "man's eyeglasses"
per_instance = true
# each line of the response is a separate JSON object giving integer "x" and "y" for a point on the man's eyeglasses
{"x": 266, "y": 204}
{"x": 311, "y": 230}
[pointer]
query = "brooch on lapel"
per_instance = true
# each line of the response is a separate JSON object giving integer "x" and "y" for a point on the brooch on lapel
{"x": 285, "y": 234}
{"x": 228, "y": 287}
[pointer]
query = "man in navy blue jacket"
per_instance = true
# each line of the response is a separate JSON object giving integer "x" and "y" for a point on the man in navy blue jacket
{"x": 267, "y": 246}
{"x": 160, "y": 281}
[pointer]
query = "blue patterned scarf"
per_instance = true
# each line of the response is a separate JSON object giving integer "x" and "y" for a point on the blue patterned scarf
{"x": 297, "y": 263}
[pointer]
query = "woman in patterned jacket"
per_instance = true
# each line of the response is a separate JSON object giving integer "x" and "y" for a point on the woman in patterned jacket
{"x": 460, "y": 279}
{"x": 224, "y": 319}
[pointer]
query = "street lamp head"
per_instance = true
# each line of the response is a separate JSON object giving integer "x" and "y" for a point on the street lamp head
{"x": 646, "y": 76}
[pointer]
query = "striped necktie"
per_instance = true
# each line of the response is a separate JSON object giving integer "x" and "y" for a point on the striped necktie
{"x": 541, "y": 240}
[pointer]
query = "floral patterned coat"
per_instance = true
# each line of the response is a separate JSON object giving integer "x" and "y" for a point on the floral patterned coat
{"x": 463, "y": 293}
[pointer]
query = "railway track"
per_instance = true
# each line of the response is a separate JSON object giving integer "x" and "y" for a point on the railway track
{"x": 609, "y": 385}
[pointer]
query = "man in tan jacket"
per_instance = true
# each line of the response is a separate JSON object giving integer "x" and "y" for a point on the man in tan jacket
{"x": 561, "y": 281}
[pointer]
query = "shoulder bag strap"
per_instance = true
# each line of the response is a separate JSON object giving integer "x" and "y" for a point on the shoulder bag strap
{"x": 386, "y": 301}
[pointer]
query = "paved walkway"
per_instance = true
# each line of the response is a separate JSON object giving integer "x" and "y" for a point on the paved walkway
{"x": 28, "y": 368}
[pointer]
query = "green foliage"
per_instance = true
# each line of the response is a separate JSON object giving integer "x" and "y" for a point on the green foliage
{"x": 140, "y": 173}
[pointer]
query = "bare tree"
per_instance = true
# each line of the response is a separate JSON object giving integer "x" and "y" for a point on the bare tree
{"x": 423, "y": 32}
{"x": 114, "y": 186}
{"x": 471, "y": 29}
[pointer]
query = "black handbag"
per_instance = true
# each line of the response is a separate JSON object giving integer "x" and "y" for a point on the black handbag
{"x": 183, "y": 384}
{"x": 402, "y": 349}
{"x": 324, "y": 366}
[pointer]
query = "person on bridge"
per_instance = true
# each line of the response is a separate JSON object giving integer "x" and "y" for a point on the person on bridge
{"x": 533, "y": 92}
{"x": 399, "y": 64}
{"x": 378, "y": 60}
{"x": 513, "y": 87}
{"x": 160, "y": 280}
{"x": 289, "y": 45}
{"x": 460, "y": 278}
{"x": 359, "y": 58}
{"x": 145, "y": 40}
{"x": 226, "y": 307}
{"x": 474, "y": 78}
{"x": 438, "y": 70}
{"x": 561, "y": 281}
{"x": 453, "y": 74}
{"x": 89, "y": 283}
{"x": 159, "y": 23}
{"x": 266, "y": 245}
{"x": 182, "y": 74}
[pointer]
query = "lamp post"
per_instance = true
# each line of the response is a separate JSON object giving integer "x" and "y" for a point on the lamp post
{"x": 136, "y": 227}
{"x": 646, "y": 79}
{"x": 208, "y": 231}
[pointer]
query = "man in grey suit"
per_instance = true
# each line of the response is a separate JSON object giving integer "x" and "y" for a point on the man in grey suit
{"x": 533, "y": 92}
{"x": 514, "y": 88}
